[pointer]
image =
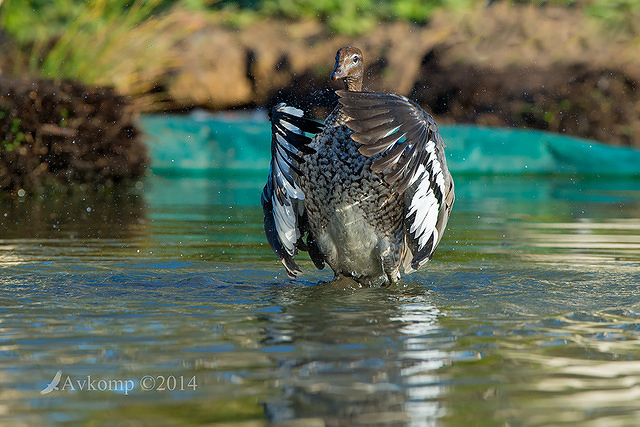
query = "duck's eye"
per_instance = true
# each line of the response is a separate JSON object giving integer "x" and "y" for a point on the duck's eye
{"x": 356, "y": 59}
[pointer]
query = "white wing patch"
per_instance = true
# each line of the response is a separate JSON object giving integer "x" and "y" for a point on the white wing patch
{"x": 426, "y": 208}
{"x": 282, "y": 199}
{"x": 425, "y": 203}
{"x": 285, "y": 220}
{"x": 284, "y": 108}
{"x": 283, "y": 169}
{"x": 284, "y": 214}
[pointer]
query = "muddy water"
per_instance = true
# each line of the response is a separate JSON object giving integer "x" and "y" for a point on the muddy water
{"x": 163, "y": 305}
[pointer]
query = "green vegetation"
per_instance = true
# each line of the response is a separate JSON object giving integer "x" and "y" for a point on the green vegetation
{"x": 623, "y": 15}
{"x": 15, "y": 134}
{"x": 56, "y": 31}
{"x": 88, "y": 40}
{"x": 126, "y": 43}
{"x": 38, "y": 21}
{"x": 358, "y": 16}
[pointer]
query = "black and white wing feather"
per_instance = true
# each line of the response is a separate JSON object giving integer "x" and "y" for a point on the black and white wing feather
{"x": 282, "y": 198}
{"x": 411, "y": 159}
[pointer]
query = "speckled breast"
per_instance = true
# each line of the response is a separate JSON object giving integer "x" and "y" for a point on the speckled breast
{"x": 353, "y": 214}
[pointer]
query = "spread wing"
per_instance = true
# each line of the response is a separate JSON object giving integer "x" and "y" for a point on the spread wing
{"x": 411, "y": 158}
{"x": 282, "y": 198}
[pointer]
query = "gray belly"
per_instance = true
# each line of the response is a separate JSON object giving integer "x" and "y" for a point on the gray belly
{"x": 353, "y": 214}
{"x": 352, "y": 244}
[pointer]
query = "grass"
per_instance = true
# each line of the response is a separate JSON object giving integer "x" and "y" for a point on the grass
{"x": 88, "y": 41}
{"x": 620, "y": 15}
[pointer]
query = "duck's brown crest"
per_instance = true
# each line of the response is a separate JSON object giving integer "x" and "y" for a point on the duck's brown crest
{"x": 346, "y": 51}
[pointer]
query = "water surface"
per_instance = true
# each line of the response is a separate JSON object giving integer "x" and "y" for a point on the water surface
{"x": 529, "y": 313}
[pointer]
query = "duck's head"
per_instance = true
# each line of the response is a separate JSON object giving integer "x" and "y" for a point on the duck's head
{"x": 349, "y": 68}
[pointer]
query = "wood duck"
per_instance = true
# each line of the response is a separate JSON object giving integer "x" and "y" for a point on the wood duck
{"x": 368, "y": 192}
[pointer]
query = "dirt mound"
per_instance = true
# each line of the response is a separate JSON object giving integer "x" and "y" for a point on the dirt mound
{"x": 56, "y": 133}
{"x": 541, "y": 67}
{"x": 575, "y": 99}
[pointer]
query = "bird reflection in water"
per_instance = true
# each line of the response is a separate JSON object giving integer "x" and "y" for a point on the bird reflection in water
{"x": 331, "y": 372}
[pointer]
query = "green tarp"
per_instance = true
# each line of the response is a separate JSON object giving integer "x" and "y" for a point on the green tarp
{"x": 201, "y": 143}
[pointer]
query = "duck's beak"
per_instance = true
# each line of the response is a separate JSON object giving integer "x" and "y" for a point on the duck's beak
{"x": 338, "y": 73}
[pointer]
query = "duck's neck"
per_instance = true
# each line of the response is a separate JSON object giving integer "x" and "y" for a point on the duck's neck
{"x": 337, "y": 117}
{"x": 353, "y": 84}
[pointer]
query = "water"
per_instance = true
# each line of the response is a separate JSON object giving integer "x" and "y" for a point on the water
{"x": 163, "y": 305}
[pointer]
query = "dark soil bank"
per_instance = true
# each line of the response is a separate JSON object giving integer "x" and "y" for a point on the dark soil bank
{"x": 575, "y": 99}
{"x": 56, "y": 133}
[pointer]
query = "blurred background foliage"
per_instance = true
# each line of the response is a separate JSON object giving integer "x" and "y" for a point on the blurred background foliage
{"x": 87, "y": 39}
{"x": 29, "y": 21}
